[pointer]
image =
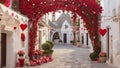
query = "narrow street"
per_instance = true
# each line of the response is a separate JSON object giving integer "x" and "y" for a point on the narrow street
{"x": 69, "y": 56}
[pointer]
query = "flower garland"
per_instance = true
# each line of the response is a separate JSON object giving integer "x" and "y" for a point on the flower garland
{"x": 5, "y": 2}
{"x": 89, "y": 10}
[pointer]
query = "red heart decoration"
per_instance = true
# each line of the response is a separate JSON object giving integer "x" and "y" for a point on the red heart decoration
{"x": 23, "y": 26}
{"x": 12, "y": 14}
{"x": 102, "y": 31}
{"x": 23, "y": 37}
{"x": 15, "y": 28}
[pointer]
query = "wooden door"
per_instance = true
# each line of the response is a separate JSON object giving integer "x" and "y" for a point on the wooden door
{"x": 108, "y": 43}
{"x": 87, "y": 40}
{"x": 65, "y": 38}
{"x": 3, "y": 50}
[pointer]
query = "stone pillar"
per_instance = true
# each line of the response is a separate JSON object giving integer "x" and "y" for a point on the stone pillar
{"x": 0, "y": 45}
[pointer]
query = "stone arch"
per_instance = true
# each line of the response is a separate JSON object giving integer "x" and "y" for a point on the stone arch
{"x": 56, "y": 36}
{"x": 89, "y": 10}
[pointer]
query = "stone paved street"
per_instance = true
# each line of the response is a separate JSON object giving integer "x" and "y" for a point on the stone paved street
{"x": 69, "y": 56}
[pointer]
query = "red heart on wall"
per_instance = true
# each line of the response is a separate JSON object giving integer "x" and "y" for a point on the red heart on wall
{"x": 102, "y": 31}
{"x": 23, "y": 26}
{"x": 23, "y": 37}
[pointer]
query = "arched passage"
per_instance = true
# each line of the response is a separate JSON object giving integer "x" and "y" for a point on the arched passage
{"x": 56, "y": 36}
{"x": 89, "y": 10}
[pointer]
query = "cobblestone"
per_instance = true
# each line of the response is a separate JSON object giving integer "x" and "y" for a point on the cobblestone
{"x": 69, "y": 56}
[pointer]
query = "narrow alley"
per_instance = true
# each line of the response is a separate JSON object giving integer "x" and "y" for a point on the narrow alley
{"x": 69, "y": 56}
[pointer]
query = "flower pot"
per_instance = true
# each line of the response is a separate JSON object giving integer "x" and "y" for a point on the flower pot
{"x": 21, "y": 62}
{"x": 102, "y": 59}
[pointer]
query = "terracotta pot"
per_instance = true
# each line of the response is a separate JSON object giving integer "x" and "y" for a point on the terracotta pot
{"x": 21, "y": 62}
{"x": 102, "y": 59}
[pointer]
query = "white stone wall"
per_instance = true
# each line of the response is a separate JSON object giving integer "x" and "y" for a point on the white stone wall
{"x": 110, "y": 12}
{"x": 0, "y": 45}
{"x": 13, "y": 35}
{"x": 45, "y": 32}
{"x": 67, "y": 31}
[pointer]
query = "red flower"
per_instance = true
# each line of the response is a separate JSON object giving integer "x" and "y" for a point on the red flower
{"x": 21, "y": 53}
{"x": 102, "y": 54}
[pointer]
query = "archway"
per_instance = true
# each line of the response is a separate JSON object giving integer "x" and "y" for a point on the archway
{"x": 89, "y": 10}
{"x": 56, "y": 36}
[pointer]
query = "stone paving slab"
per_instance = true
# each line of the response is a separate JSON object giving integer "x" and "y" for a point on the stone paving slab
{"x": 69, "y": 56}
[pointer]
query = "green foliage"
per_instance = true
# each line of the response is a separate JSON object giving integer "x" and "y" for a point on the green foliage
{"x": 51, "y": 43}
{"x": 46, "y": 46}
{"x": 93, "y": 56}
{"x": 48, "y": 52}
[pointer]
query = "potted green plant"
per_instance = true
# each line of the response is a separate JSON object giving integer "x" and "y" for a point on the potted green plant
{"x": 47, "y": 49}
{"x": 51, "y": 43}
{"x": 93, "y": 56}
{"x": 46, "y": 46}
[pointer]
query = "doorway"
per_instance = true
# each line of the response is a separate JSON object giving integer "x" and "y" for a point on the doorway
{"x": 82, "y": 39}
{"x": 40, "y": 38}
{"x": 3, "y": 49}
{"x": 87, "y": 39}
{"x": 108, "y": 43}
{"x": 65, "y": 38}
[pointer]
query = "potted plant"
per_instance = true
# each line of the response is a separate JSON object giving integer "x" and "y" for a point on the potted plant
{"x": 102, "y": 57}
{"x": 72, "y": 42}
{"x": 21, "y": 58}
{"x": 21, "y": 53}
{"x": 47, "y": 49}
{"x": 51, "y": 43}
{"x": 93, "y": 56}
{"x": 78, "y": 42}
{"x": 60, "y": 41}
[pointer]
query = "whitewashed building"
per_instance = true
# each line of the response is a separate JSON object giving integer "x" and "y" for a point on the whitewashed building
{"x": 44, "y": 30}
{"x": 10, "y": 36}
{"x": 111, "y": 22}
{"x": 62, "y": 29}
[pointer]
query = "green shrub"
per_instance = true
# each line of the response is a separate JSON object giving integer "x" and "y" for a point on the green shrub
{"x": 93, "y": 56}
{"x": 46, "y": 46}
{"x": 48, "y": 52}
{"x": 51, "y": 43}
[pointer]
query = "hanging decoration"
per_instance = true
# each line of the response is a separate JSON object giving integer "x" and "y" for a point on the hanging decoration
{"x": 23, "y": 26}
{"x": 12, "y": 14}
{"x": 102, "y": 31}
{"x": 14, "y": 28}
{"x": 22, "y": 37}
{"x": 89, "y": 10}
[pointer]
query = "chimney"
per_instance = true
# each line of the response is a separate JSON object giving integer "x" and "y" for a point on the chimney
{"x": 53, "y": 16}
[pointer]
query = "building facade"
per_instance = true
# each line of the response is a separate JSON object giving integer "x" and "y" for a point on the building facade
{"x": 111, "y": 22}
{"x": 62, "y": 29}
{"x": 10, "y": 36}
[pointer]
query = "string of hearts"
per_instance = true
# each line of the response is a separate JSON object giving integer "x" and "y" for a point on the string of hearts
{"x": 23, "y": 27}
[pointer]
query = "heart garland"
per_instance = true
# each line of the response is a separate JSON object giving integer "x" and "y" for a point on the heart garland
{"x": 14, "y": 28}
{"x": 102, "y": 31}
{"x": 23, "y": 26}
{"x": 23, "y": 37}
